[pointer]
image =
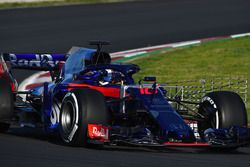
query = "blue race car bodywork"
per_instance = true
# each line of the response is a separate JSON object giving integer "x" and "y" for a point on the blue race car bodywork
{"x": 129, "y": 113}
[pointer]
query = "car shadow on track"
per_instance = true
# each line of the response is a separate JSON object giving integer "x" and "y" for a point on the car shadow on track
{"x": 39, "y": 134}
{"x": 178, "y": 150}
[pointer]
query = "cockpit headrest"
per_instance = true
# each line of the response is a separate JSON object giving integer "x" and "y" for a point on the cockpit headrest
{"x": 101, "y": 58}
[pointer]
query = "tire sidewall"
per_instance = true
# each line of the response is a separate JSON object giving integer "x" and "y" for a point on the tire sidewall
{"x": 214, "y": 112}
{"x": 6, "y": 105}
{"x": 6, "y": 98}
{"x": 77, "y": 102}
{"x": 228, "y": 110}
{"x": 91, "y": 107}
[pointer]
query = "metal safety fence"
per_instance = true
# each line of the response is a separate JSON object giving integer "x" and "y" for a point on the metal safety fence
{"x": 194, "y": 90}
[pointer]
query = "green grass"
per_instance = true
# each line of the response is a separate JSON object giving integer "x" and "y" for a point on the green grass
{"x": 223, "y": 58}
{"x": 53, "y": 3}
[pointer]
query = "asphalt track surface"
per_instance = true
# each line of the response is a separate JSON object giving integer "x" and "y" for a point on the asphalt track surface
{"x": 128, "y": 25}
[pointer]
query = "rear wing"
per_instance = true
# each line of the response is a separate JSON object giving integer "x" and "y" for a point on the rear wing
{"x": 43, "y": 62}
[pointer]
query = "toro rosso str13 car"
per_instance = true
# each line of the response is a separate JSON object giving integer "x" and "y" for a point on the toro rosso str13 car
{"x": 92, "y": 101}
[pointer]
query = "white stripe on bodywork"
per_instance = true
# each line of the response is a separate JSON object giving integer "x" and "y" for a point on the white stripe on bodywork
{"x": 35, "y": 78}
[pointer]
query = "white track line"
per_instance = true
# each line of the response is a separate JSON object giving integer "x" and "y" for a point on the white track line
{"x": 240, "y": 35}
{"x": 186, "y": 44}
{"x": 128, "y": 53}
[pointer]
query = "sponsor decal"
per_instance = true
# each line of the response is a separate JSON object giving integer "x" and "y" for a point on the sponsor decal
{"x": 54, "y": 117}
{"x": 35, "y": 60}
{"x": 99, "y": 132}
{"x": 206, "y": 98}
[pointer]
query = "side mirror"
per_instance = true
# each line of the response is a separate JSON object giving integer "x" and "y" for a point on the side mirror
{"x": 148, "y": 79}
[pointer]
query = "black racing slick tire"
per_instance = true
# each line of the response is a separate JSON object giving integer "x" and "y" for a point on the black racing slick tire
{"x": 6, "y": 105}
{"x": 81, "y": 107}
{"x": 222, "y": 109}
{"x": 4, "y": 127}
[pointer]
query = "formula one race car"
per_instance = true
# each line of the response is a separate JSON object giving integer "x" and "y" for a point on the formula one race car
{"x": 91, "y": 101}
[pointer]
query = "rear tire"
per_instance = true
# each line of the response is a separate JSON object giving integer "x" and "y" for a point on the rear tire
{"x": 81, "y": 107}
{"x": 4, "y": 127}
{"x": 6, "y": 105}
{"x": 222, "y": 109}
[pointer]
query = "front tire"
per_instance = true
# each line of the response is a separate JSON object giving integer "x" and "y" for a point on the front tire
{"x": 222, "y": 109}
{"x": 81, "y": 107}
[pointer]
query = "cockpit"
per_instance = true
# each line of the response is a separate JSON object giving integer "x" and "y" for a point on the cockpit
{"x": 94, "y": 67}
{"x": 79, "y": 58}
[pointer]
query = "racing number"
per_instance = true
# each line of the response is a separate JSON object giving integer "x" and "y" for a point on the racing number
{"x": 147, "y": 91}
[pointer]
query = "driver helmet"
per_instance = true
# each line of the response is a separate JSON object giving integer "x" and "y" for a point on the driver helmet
{"x": 107, "y": 78}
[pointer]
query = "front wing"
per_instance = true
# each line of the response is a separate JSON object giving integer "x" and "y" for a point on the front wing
{"x": 214, "y": 138}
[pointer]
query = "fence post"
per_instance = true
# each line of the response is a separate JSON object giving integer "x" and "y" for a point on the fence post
{"x": 203, "y": 82}
{"x": 229, "y": 83}
{"x": 246, "y": 91}
{"x": 212, "y": 85}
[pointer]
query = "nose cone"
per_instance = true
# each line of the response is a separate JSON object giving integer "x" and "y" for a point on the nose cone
{"x": 174, "y": 126}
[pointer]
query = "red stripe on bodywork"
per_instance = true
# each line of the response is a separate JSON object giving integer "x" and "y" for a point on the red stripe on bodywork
{"x": 106, "y": 91}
